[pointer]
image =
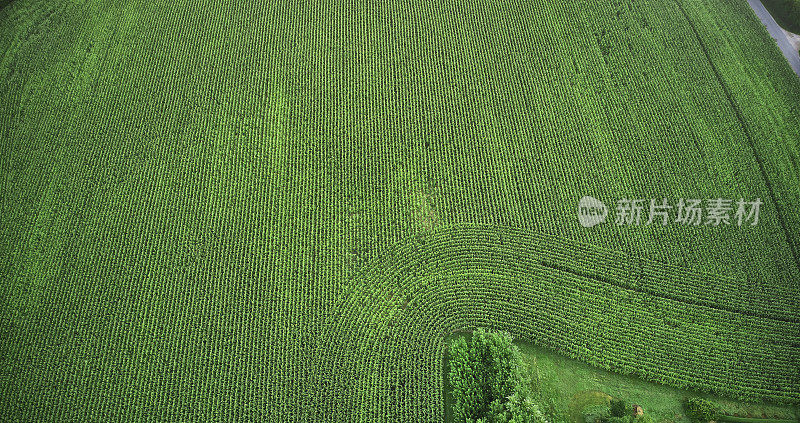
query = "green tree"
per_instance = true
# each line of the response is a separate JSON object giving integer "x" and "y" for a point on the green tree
{"x": 490, "y": 382}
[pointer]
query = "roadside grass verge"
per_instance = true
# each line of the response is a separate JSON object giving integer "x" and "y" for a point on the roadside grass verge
{"x": 786, "y": 13}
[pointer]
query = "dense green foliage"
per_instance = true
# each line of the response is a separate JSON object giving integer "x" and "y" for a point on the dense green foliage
{"x": 700, "y": 410}
{"x": 618, "y": 408}
{"x": 278, "y": 211}
{"x": 786, "y": 13}
{"x": 490, "y": 382}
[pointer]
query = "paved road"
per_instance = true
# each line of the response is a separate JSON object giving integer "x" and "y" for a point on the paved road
{"x": 777, "y": 33}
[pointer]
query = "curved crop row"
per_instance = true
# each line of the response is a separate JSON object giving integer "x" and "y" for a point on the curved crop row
{"x": 464, "y": 277}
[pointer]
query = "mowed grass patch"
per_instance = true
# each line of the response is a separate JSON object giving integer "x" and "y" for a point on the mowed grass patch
{"x": 573, "y": 386}
{"x": 568, "y": 388}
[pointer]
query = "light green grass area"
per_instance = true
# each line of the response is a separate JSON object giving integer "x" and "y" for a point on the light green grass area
{"x": 569, "y": 389}
{"x": 574, "y": 387}
{"x": 278, "y": 210}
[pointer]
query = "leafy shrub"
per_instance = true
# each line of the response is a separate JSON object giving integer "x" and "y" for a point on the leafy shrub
{"x": 700, "y": 410}
{"x": 618, "y": 408}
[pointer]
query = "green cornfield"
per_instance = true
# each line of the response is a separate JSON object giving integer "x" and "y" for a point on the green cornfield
{"x": 278, "y": 210}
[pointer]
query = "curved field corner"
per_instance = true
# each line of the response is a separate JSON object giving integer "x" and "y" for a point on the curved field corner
{"x": 278, "y": 211}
